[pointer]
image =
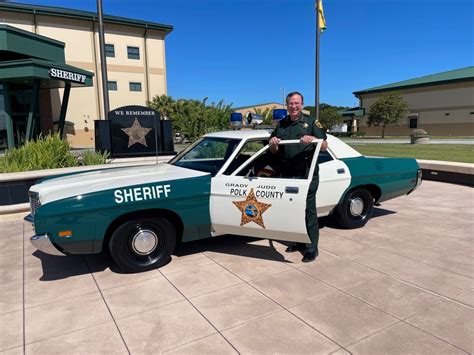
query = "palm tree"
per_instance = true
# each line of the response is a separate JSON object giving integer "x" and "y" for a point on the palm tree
{"x": 165, "y": 105}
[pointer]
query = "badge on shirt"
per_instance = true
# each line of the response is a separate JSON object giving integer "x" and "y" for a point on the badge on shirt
{"x": 305, "y": 125}
{"x": 318, "y": 124}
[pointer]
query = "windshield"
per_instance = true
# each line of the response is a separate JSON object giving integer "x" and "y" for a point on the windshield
{"x": 207, "y": 155}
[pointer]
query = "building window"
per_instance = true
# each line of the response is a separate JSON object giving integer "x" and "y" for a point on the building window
{"x": 135, "y": 86}
{"x": 112, "y": 85}
{"x": 413, "y": 122}
{"x": 133, "y": 52}
{"x": 110, "y": 50}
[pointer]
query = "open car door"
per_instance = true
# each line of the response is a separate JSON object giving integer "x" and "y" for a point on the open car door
{"x": 256, "y": 201}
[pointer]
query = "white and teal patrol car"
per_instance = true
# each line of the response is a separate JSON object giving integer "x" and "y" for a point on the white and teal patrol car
{"x": 225, "y": 183}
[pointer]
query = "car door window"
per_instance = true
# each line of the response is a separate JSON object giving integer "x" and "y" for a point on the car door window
{"x": 208, "y": 155}
{"x": 247, "y": 151}
{"x": 324, "y": 156}
{"x": 269, "y": 165}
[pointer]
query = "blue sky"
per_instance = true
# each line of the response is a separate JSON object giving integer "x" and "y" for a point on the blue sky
{"x": 247, "y": 51}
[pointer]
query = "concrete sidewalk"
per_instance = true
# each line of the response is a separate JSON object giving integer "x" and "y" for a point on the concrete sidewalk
{"x": 402, "y": 284}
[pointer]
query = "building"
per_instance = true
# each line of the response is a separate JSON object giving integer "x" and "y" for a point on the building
{"x": 38, "y": 38}
{"x": 441, "y": 104}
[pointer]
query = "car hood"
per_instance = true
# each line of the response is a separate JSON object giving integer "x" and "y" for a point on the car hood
{"x": 83, "y": 183}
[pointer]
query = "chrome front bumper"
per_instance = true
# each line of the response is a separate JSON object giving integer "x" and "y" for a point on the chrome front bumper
{"x": 43, "y": 243}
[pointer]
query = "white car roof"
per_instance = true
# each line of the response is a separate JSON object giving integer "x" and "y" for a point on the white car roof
{"x": 340, "y": 149}
{"x": 335, "y": 145}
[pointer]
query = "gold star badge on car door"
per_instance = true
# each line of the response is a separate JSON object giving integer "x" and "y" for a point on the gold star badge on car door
{"x": 136, "y": 133}
{"x": 252, "y": 210}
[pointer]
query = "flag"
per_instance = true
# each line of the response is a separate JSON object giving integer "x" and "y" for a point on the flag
{"x": 322, "y": 20}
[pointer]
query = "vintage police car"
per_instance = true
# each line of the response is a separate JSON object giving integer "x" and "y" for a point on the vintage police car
{"x": 225, "y": 183}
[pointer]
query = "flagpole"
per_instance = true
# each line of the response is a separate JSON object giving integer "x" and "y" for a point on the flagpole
{"x": 103, "y": 61}
{"x": 316, "y": 88}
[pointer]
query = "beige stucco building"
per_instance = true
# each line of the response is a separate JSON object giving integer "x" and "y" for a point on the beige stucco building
{"x": 441, "y": 104}
{"x": 135, "y": 53}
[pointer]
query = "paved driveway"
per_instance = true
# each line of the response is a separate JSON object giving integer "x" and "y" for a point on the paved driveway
{"x": 402, "y": 284}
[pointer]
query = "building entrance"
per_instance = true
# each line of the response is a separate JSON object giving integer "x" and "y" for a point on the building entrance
{"x": 30, "y": 67}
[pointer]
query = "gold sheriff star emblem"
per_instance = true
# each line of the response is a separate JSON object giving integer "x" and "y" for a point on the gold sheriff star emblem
{"x": 252, "y": 210}
{"x": 136, "y": 133}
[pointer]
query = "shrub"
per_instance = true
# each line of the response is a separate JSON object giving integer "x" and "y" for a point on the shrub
{"x": 358, "y": 134}
{"x": 48, "y": 152}
{"x": 91, "y": 157}
{"x": 348, "y": 134}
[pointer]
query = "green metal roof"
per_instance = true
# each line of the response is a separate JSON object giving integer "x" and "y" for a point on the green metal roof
{"x": 26, "y": 69}
{"x": 29, "y": 44}
{"x": 83, "y": 15}
{"x": 355, "y": 111}
{"x": 463, "y": 74}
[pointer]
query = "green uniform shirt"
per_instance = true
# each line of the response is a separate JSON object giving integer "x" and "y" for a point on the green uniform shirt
{"x": 295, "y": 157}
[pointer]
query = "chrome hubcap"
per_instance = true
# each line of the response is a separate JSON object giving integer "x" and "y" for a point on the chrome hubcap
{"x": 144, "y": 242}
{"x": 356, "y": 206}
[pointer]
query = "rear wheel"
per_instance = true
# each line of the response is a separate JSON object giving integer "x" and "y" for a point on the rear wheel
{"x": 356, "y": 209}
{"x": 143, "y": 244}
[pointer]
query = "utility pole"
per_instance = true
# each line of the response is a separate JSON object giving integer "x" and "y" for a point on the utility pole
{"x": 103, "y": 60}
{"x": 316, "y": 86}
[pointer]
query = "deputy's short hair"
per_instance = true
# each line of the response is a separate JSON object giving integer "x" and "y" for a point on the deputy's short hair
{"x": 293, "y": 93}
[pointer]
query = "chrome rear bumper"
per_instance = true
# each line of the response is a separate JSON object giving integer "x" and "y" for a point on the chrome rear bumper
{"x": 43, "y": 243}
{"x": 418, "y": 181}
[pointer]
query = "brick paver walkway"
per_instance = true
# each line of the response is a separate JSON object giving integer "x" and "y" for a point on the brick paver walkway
{"x": 402, "y": 284}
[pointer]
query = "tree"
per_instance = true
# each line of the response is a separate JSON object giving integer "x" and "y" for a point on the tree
{"x": 389, "y": 108}
{"x": 193, "y": 118}
{"x": 165, "y": 105}
{"x": 328, "y": 114}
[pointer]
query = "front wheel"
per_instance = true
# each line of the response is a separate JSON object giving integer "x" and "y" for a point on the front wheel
{"x": 143, "y": 244}
{"x": 356, "y": 209}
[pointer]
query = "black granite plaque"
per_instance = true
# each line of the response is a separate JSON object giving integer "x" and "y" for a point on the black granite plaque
{"x": 135, "y": 131}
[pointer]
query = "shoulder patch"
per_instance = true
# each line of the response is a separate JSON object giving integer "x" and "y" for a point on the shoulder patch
{"x": 317, "y": 124}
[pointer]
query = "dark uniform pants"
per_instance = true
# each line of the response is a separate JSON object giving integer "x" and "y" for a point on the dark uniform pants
{"x": 311, "y": 217}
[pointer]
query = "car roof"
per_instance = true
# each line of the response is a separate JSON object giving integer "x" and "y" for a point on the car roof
{"x": 341, "y": 149}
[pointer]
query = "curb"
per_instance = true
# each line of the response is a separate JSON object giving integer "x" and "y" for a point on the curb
{"x": 445, "y": 171}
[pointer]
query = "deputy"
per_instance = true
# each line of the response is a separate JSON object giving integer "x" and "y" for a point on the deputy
{"x": 296, "y": 160}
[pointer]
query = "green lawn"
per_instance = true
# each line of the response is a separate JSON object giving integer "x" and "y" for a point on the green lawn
{"x": 445, "y": 152}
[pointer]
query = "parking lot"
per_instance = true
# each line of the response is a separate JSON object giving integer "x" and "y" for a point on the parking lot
{"x": 402, "y": 284}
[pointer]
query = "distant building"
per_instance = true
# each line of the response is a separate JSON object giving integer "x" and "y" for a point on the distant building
{"x": 43, "y": 38}
{"x": 441, "y": 104}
